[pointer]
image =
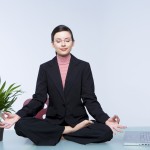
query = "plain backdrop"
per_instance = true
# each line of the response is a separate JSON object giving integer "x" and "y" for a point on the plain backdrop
{"x": 112, "y": 35}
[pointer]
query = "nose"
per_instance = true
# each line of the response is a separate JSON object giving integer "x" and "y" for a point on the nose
{"x": 63, "y": 43}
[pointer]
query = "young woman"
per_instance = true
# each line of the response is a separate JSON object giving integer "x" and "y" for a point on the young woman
{"x": 68, "y": 84}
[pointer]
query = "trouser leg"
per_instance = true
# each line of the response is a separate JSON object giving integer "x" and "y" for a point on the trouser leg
{"x": 40, "y": 132}
{"x": 95, "y": 133}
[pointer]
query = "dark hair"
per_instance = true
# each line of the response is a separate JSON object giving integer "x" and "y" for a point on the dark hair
{"x": 59, "y": 29}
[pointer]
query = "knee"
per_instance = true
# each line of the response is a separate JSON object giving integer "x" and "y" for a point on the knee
{"x": 17, "y": 124}
{"x": 108, "y": 134}
{"x": 20, "y": 125}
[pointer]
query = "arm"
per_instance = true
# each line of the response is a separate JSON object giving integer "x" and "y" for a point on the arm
{"x": 93, "y": 106}
{"x": 33, "y": 106}
{"x": 89, "y": 98}
{"x": 39, "y": 98}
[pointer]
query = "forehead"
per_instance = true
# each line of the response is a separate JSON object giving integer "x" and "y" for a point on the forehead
{"x": 62, "y": 35}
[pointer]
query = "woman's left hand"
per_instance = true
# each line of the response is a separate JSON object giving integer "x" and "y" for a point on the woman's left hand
{"x": 113, "y": 123}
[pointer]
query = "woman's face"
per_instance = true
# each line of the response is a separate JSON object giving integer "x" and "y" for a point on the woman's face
{"x": 63, "y": 43}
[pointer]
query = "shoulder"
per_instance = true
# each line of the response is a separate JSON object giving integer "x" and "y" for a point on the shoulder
{"x": 80, "y": 62}
{"x": 48, "y": 64}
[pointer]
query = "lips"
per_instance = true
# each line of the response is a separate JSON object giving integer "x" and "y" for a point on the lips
{"x": 63, "y": 49}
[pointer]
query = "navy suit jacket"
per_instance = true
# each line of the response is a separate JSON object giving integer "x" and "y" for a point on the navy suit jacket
{"x": 68, "y": 103}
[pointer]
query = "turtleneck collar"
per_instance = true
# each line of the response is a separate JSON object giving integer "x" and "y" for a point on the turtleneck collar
{"x": 62, "y": 60}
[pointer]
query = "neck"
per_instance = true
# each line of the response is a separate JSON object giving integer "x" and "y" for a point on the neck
{"x": 63, "y": 59}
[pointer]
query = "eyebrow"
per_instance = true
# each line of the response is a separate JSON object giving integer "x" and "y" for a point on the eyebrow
{"x": 64, "y": 39}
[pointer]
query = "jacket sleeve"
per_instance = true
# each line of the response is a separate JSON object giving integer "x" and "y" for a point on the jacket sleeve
{"x": 89, "y": 98}
{"x": 38, "y": 99}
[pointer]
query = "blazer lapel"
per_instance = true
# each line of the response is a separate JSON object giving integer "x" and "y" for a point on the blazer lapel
{"x": 70, "y": 74}
{"x": 56, "y": 77}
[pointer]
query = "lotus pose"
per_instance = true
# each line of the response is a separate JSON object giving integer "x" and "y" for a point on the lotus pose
{"x": 68, "y": 84}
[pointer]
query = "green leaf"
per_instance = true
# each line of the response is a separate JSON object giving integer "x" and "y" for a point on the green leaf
{"x": 3, "y": 86}
{"x": 8, "y": 96}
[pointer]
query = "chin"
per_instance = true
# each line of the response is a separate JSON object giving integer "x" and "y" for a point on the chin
{"x": 63, "y": 54}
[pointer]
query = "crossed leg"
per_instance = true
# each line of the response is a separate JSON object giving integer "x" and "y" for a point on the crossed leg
{"x": 94, "y": 133}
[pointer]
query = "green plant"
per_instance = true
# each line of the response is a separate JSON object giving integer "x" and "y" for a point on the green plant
{"x": 8, "y": 96}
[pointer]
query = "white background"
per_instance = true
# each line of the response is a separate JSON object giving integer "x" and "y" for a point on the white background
{"x": 112, "y": 35}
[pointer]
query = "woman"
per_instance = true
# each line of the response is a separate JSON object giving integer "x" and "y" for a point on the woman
{"x": 68, "y": 83}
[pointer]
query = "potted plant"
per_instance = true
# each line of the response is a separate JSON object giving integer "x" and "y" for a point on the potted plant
{"x": 7, "y": 97}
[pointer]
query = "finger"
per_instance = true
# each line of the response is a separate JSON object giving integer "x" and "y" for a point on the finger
{"x": 7, "y": 113}
{"x": 2, "y": 124}
{"x": 116, "y": 118}
{"x": 3, "y": 116}
{"x": 117, "y": 129}
{"x": 122, "y": 127}
{"x": 7, "y": 126}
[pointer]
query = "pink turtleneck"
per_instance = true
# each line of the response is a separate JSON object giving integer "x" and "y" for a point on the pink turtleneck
{"x": 63, "y": 63}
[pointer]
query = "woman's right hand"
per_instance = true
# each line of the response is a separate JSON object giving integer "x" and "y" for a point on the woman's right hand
{"x": 9, "y": 120}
